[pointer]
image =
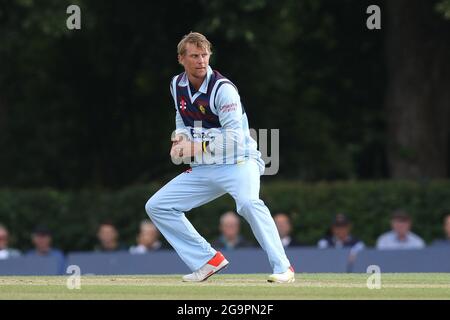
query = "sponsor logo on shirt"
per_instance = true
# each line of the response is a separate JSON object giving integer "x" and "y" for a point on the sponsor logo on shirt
{"x": 228, "y": 107}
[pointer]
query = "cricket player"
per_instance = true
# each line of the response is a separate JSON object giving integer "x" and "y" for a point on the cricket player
{"x": 212, "y": 133}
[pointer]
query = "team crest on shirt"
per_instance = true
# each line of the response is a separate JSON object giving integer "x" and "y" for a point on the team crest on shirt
{"x": 202, "y": 109}
{"x": 182, "y": 104}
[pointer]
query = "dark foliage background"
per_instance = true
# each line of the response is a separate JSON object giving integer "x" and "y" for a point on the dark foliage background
{"x": 86, "y": 115}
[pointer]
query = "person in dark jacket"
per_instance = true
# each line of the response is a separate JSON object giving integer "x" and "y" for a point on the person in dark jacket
{"x": 340, "y": 237}
{"x": 230, "y": 237}
{"x": 284, "y": 226}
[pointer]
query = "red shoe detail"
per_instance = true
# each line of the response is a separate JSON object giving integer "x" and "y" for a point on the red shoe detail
{"x": 217, "y": 259}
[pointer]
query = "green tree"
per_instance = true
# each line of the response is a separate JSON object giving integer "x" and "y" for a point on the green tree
{"x": 417, "y": 98}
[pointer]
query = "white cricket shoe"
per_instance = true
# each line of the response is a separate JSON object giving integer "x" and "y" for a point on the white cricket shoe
{"x": 285, "y": 277}
{"x": 217, "y": 263}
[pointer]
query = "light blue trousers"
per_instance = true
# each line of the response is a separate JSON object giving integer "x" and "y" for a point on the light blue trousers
{"x": 201, "y": 185}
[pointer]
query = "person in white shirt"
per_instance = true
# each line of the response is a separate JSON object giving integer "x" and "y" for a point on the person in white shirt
{"x": 445, "y": 242}
{"x": 213, "y": 135}
{"x": 147, "y": 239}
{"x": 401, "y": 236}
{"x": 5, "y": 251}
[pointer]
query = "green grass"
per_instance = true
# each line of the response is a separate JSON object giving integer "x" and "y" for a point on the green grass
{"x": 253, "y": 286}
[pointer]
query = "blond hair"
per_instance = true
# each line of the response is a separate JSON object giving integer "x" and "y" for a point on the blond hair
{"x": 195, "y": 38}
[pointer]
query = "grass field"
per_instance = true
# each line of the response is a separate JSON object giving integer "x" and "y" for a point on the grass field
{"x": 248, "y": 287}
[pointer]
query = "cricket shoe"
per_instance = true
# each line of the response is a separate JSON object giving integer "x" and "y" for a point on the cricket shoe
{"x": 217, "y": 263}
{"x": 285, "y": 277}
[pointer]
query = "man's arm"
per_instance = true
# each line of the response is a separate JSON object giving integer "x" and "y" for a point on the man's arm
{"x": 229, "y": 110}
{"x": 179, "y": 123}
{"x": 180, "y": 137}
{"x": 381, "y": 243}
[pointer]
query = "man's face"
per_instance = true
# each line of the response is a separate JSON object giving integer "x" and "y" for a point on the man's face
{"x": 230, "y": 227}
{"x": 401, "y": 227}
{"x": 195, "y": 61}
{"x": 447, "y": 226}
{"x": 283, "y": 225}
{"x": 107, "y": 234}
{"x": 148, "y": 235}
{"x": 341, "y": 231}
{"x": 42, "y": 242}
{"x": 3, "y": 239}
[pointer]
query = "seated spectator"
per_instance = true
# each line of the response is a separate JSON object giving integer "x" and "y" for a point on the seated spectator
{"x": 284, "y": 226}
{"x": 5, "y": 251}
{"x": 400, "y": 237}
{"x": 230, "y": 228}
{"x": 108, "y": 238}
{"x": 42, "y": 241}
{"x": 446, "y": 241}
{"x": 341, "y": 237}
{"x": 148, "y": 238}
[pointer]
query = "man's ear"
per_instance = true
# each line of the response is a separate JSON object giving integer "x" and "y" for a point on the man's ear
{"x": 180, "y": 59}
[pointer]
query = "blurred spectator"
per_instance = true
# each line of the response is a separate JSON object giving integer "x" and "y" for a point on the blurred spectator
{"x": 108, "y": 238}
{"x": 42, "y": 241}
{"x": 400, "y": 237}
{"x": 446, "y": 241}
{"x": 5, "y": 251}
{"x": 230, "y": 233}
{"x": 341, "y": 237}
{"x": 148, "y": 238}
{"x": 284, "y": 226}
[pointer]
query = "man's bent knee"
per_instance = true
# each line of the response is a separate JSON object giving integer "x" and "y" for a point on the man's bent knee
{"x": 245, "y": 206}
{"x": 158, "y": 206}
{"x": 151, "y": 206}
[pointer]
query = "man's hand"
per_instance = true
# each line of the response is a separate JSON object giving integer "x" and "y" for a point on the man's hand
{"x": 182, "y": 147}
{"x": 176, "y": 152}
